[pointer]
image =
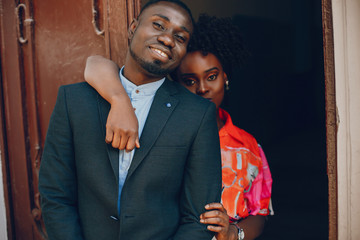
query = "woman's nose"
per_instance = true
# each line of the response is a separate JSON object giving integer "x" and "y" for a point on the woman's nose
{"x": 202, "y": 89}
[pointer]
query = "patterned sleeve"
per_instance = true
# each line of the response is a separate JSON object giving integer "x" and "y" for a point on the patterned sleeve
{"x": 258, "y": 199}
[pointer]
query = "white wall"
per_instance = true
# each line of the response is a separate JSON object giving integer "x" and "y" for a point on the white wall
{"x": 346, "y": 21}
{"x": 3, "y": 229}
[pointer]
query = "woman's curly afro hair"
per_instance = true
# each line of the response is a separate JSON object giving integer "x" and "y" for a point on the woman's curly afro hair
{"x": 221, "y": 37}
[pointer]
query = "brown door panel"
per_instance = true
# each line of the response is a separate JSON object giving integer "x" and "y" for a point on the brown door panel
{"x": 64, "y": 38}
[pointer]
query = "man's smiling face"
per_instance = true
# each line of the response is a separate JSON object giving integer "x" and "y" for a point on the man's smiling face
{"x": 159, "y": 38}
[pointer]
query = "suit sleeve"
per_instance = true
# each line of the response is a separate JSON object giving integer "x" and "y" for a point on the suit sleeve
{"x": 57, "y": 177}
{"x": 202, "y": 179}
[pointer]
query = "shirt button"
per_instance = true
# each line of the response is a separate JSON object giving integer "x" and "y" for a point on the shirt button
{"x": 137, "y": 91}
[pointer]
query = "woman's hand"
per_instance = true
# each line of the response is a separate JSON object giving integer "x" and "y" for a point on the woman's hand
{"x": 122, "y": 125}
{"x": 218, "y": 221}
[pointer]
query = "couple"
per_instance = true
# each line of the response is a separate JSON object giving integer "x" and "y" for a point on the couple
{"x": 91, "y": 190}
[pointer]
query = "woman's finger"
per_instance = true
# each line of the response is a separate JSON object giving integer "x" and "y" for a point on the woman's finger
{"x": 217, "y": 229}
{"x": 131, "y": 142}
{"x": 215, "y": 205}
{"x": 123, "y": 141}
{"x": 116, "y": 140}
{"x": 109, "y": 135}
{"x": 215, "y": 214}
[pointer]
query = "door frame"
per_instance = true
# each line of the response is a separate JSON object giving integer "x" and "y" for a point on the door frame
{"x": 12, "y": 115}
{"x": 331, "y": 121}
{"x": 346, "y": 35}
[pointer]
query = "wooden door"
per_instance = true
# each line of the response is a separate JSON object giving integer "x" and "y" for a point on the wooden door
{"x": 44, "y": 44}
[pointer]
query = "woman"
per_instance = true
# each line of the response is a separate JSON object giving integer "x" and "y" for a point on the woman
{"x": 214, "y": 50}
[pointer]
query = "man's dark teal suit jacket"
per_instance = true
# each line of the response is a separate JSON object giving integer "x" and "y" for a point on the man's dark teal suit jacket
{"x": 173, "y": 175}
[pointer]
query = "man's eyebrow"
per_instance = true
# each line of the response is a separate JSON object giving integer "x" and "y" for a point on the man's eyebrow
{"x": 185, "y": 29}
{"x": 162, "y": 16}
{"x": 167, "y": 19}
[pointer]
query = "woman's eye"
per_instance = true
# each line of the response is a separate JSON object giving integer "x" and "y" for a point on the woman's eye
{"x": 212, "y": 77}
{"x": 189, "y": 82}
{"x": 158, "y": 26}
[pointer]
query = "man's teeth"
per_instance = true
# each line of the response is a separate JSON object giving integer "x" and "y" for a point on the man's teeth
{"x": 161, "y": 53}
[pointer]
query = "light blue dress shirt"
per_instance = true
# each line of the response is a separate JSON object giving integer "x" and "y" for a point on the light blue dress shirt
{"x": 141, "y": 98}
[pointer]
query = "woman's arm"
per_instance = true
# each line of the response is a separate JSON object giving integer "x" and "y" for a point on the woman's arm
{"x": 122, "y": 125}
{"x": 253, "y": 226}
{"x": 218, "y": 219}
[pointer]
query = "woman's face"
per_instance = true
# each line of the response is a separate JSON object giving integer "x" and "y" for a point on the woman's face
{"x": 203, "y": 75}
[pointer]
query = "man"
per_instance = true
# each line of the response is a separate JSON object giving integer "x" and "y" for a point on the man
{"x": 90, "y": 190}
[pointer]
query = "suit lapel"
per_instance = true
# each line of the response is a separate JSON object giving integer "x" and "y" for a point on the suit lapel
{"x": 113, "y": 153}
{"x": 161, "y": 109}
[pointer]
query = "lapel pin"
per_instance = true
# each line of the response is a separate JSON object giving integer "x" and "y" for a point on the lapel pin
{"x": 168, "y": 105}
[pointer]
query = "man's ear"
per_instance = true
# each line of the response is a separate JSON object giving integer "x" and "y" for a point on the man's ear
{"x": 132, "y": 28}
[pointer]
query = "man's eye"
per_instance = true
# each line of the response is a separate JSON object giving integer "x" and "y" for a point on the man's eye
{"x": 212, "y": 77}
{"x": 158, "y": 26}
{"x": 181, "y": 39}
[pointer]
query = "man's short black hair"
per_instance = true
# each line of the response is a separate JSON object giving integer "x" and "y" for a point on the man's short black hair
{"x": 177, "y": 2}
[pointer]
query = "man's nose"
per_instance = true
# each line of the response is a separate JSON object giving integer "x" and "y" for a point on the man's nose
{"x": 167, "y": 39}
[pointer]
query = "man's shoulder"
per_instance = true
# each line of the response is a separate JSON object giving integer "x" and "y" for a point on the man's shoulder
{"x": 80, "y": 86}
{"x": 80, "y": 89}
{"x": 188, "y": 97}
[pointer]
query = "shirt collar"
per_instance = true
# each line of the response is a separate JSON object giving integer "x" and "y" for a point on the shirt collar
{"x": 229, "y": 128}
{"x": 148, "y": 89}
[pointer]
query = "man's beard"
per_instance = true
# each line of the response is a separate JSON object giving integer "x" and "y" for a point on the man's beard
{"x": 154, "y": 67}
